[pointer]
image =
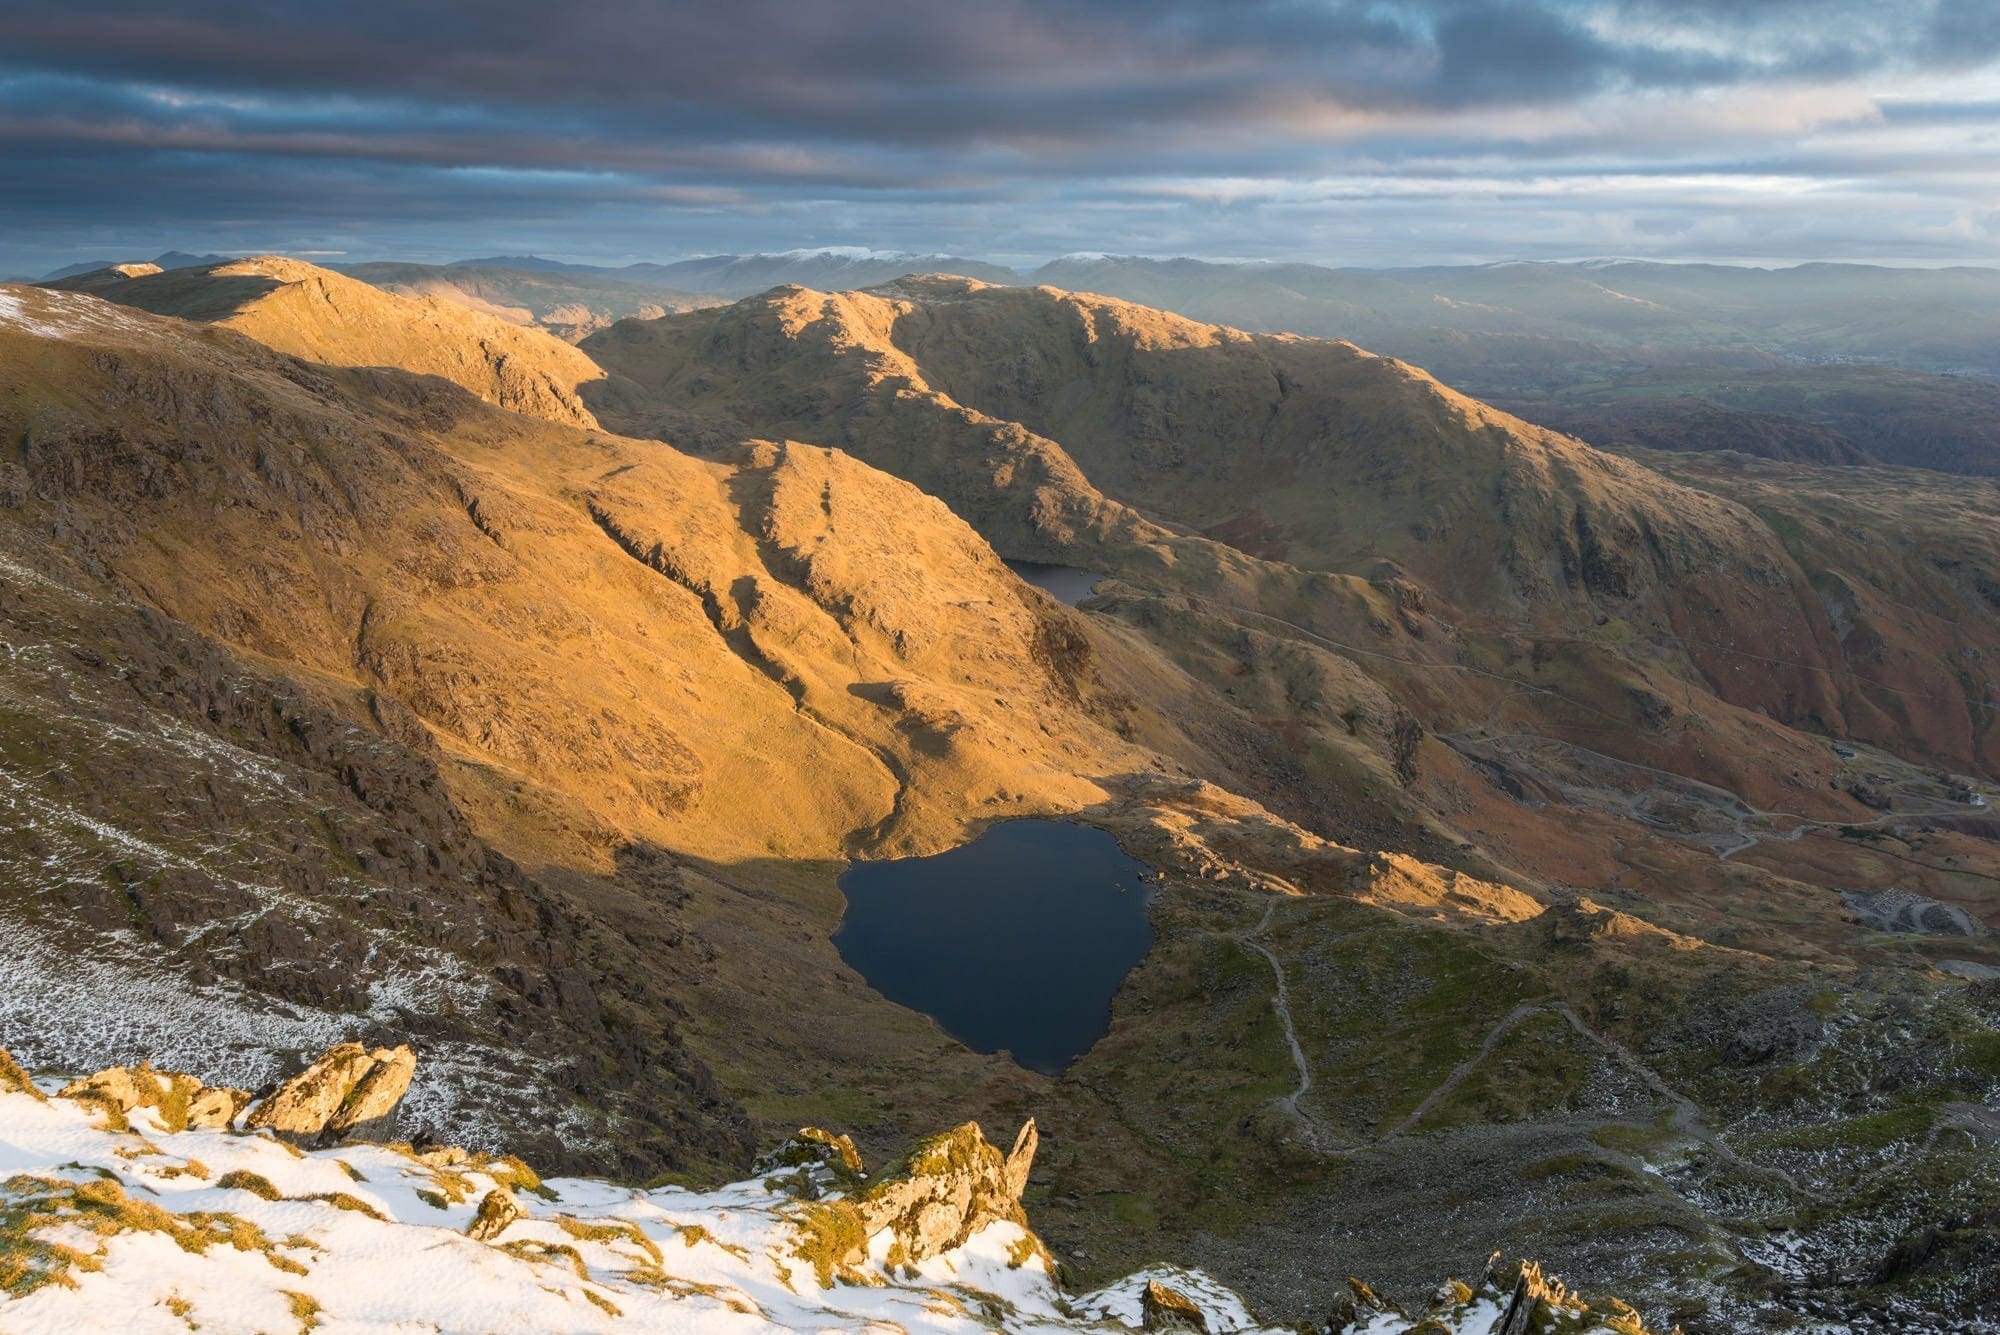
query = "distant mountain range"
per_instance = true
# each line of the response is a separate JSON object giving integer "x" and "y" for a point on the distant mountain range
{"x": 172, "y": 259}
{"x": 1823, "y": 363}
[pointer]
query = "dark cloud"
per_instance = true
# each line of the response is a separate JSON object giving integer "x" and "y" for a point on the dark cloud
{"x": 606, "y": 113}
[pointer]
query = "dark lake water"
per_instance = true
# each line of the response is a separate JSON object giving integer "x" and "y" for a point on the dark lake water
{"x": 1066, "y": 584}
{"x": 1014, "y": 942}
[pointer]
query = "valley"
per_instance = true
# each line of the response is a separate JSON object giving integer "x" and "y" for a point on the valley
{"x": 1505, "y": 800}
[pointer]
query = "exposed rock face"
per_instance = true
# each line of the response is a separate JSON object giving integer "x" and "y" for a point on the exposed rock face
{"x": 497, "y": 1210}
{"x": 944, "y": 1191}
{"x": 1587, "y": 921}
{"x": 183, "y": 1100}
{"x": 350, "y": 1093}
{"x": 1163, "y": 1308}
{"x": 216, "y": 1107}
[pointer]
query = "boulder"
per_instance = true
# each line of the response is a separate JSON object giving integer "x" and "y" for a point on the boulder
{"x": 497, "y": 1210}
{"x": 216, "y": 1107}
{"x": 349, "y": 1093}
{"x": 369, "y": 1111}
{"x": 817, "y": 1159}
{"x": 1162, "y": 1308}
{"x": 946, "y": 1189}
{"x": 181, "y": 1100}
{"x": 943, "y": 1191}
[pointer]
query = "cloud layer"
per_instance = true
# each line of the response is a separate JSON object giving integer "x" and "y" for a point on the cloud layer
{"x": 1345, "y": 131}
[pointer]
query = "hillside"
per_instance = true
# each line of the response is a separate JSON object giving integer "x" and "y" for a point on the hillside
{"x": 323, "y": 316}
{"x": 229, "y": 1226}
{"x": 568, "y": 305}
{"x": 1929, "y": 319}
{"x": 503, "y": 727}
{"x": 1826, "y": 363}
{"x": 1054, "y": 422}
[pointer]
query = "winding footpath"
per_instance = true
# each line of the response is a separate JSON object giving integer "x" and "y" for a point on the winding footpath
{"x": 1686, "y": 1118}
{"x": 1281, "y": 1001}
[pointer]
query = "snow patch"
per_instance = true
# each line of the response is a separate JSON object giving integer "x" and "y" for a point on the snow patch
{"x": 64, "y": 314}
{"x": 590, "y": 1256}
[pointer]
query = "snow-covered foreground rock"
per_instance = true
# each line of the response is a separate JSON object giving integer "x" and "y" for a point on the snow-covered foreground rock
{"x": 138, "y": 1220}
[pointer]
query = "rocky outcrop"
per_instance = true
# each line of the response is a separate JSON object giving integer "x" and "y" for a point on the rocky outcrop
{"x": 1530, "y": 1303}
{"x": 1586, "y": 922}
{"x": 949, "y": 1188}
{"x": 182, "y": 1101}
{"x": 946, "y": 1189}
{"x": 1163, "y": 1308}
{"x": 350, "y": 1093}
{"x": 497, "y": 1210}
{"x": 815, "y": 1161}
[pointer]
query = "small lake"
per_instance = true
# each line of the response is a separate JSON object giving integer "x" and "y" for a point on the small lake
{"x": 1014, "y": 942}
{"x": 1066, "y": 584}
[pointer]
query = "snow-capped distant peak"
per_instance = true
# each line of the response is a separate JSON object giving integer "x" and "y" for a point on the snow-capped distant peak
{"x": 850, "y": 254}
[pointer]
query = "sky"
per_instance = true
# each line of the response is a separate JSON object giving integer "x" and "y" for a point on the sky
{"x": 1347, "y": 132}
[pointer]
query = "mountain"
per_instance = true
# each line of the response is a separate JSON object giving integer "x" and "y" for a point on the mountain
{"x": 568, "y": 302}
{"x": 1655, "y": 680}
{"x": 318, "y": 314}
{"x": 172, "y": 259}
{"x": 1307, "y": 452}
{"x": 1789, "y": 363}
{"x": 270, "y": 1234}
{"x": 832, "y": 267}
{"x": 1929, "y": 319}
{"x": 1502, "y": 894}
{"x": 526, "y": 264}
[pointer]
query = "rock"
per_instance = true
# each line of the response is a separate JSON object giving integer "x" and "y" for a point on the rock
{"x": 1360, "y": 1305}
{"x": 182, "y": 1100}
{"x": 942, "y": 1192}
{"x": 1162, "y": 1308}
{"x": 348, "y": 1092}
{"x": 217, "y": 1107}
{"x": 13, "y": 1078}
{"x": 497, "y": 1210}
{"x": 369, "y": 1111}
{"x": 827, "y": 1161}
{"x": 1536, "y": 1303}
{"x": 1021, "y": 1159}
{"x": 948, "y": 1188}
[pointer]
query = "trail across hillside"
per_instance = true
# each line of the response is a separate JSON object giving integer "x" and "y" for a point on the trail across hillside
{"x": 1315, "y": 1135}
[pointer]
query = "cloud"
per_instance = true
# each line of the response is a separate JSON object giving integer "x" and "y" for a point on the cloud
{"x": 422, "y": 116}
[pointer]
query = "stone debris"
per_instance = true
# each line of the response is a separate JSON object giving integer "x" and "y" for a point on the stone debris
{"x": 1918, "y": 915}
{"x": 350, "y": 1093}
